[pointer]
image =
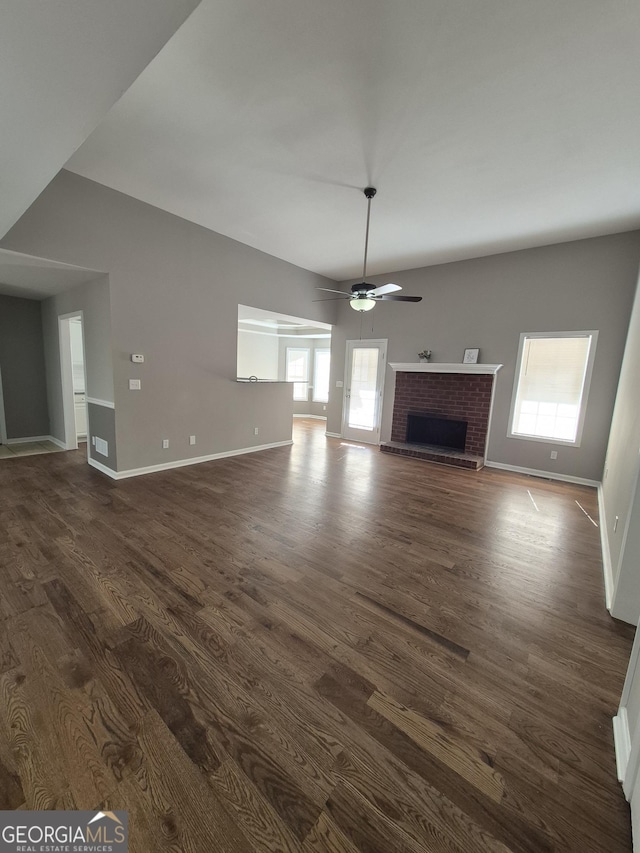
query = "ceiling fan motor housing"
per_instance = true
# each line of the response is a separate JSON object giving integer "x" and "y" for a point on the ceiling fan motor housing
{"x": 362, "y": 287}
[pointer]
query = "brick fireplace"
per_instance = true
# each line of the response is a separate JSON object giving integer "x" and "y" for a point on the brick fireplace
{"x": 438, "y": 394}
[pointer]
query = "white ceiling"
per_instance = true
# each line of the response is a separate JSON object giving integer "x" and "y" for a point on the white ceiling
{"x": 63, "y": 64}
{"x": 259, "y": 321}
{"x": 486, "y": 126}
{"x": 37, "y": 278}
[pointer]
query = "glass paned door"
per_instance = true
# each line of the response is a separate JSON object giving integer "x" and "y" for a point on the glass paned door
{"x": 365, "y": 363}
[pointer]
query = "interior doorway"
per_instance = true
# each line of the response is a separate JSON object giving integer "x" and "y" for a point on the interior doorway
{"x": 73, "y": 378}
{"x": 365, "y": 365}
{"x": 3, "y": 423}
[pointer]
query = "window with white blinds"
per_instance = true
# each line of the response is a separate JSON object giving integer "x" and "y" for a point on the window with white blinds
{"x": 297, "y": 371}
{"x": 551, "y": 386}
{"x": 321, "y": 368}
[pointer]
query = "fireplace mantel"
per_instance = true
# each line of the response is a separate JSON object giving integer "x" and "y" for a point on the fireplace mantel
{"x": 457, "y": 392}
{"x": 443, "y": 367}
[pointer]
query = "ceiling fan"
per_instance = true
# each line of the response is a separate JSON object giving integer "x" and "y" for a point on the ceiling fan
{"x": 363, "y": 296}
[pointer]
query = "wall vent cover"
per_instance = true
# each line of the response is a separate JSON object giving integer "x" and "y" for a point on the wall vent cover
{"x": 102, "y": 446}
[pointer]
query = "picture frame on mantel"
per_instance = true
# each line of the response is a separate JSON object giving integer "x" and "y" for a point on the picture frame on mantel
{"x": 471, "y": 355}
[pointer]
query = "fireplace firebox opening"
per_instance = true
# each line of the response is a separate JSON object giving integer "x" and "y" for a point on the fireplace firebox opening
{"x": 436, "y": 431}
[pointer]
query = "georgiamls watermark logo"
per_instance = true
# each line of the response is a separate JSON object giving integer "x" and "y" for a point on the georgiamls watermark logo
{"x": 64, "y": 832}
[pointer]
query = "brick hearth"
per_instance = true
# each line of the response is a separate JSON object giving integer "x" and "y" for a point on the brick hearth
{"x": 465, "y": 396}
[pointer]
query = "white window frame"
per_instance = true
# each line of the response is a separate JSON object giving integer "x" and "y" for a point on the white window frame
{"x": 295, "y": 382}
{"x": 590, "y": 333}
{"x": 314, "y": 394}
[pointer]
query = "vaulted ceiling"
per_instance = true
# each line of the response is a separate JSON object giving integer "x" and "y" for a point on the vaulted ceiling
{"x": 486, "y": 126}
{"x": 63, "y": 65}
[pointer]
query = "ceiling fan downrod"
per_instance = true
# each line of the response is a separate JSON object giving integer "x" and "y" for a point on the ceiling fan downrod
{"x": 369, "y": 194}
{"x": 363, "y": 296}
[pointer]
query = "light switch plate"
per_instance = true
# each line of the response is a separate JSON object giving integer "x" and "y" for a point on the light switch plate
{"x": 137, "y": 358}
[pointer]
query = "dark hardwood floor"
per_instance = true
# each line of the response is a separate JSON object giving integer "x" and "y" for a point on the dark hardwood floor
{"x": 315, "y": 648}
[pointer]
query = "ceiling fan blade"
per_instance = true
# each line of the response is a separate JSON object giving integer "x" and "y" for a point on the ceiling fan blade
{"x": 384, "y": 288}
{"x": 400, "y": 298}
{"x": 330, "y": 298}
{"x": 329, "y": 290}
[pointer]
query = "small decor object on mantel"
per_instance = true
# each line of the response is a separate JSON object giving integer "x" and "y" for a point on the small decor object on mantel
{"x": 471, "y": 356}
{"x": 425, "y": 355}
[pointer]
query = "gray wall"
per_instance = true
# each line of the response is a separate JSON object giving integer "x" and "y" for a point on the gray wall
{"x": 620, "y": 493}
{"x": 23, "y": 368}
{"x": 175, "y": 289}
{"x": 102, "y": 423}
{"x": 93, "y": 300}
{"x": 487, "y": 303}
{"x": 257, "y": 355}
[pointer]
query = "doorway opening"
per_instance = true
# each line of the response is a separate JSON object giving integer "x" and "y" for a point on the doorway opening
{"x": 73, "y": 378}
{"x": 3, "y": 423}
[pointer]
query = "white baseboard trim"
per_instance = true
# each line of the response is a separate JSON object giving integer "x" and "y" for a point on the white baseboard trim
{"x": 103, "y": 468}
{"x": 29, "y": 439}
{"x": 607, "y": 566}
{"x": 547, "y": 475}
{"x": 97, "y": 402}
{"x": 314, "y": 417}
{"x": 333, "y": 434}
{"x": 622, "y": 742}
{"x": 182, "y": 463}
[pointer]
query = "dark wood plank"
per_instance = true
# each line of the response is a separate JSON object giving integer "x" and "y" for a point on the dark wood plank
{"x": 181, "y": 811}
{"x": 391, "y": 655}
{"x": 422, "y": 629}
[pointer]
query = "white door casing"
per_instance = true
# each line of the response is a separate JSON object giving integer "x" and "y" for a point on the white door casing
{"x": 66, "y": 378}
{"x": 3, "y": 423}
{"x": 365, "y": 365}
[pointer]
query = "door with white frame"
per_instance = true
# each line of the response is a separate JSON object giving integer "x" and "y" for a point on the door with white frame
{"x": 3, "y": 423}
{"x": 73, "y": 378}
{"x": 626, "y": 731}
{"x": 365, "y": 365}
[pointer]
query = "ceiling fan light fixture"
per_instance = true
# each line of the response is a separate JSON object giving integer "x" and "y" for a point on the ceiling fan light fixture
{"x": 363, "y": 296}
{"x": 362, "y": 303}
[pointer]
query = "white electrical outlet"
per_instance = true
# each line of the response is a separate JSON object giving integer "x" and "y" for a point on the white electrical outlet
{"x": 137, "y": 358}
{"x": 192, "y": 439}
{"x": 554, "y": 454}
{"x": 165, "y": 443}
{"x": 255, "y": 430}
{"x": 134, "y": 385}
